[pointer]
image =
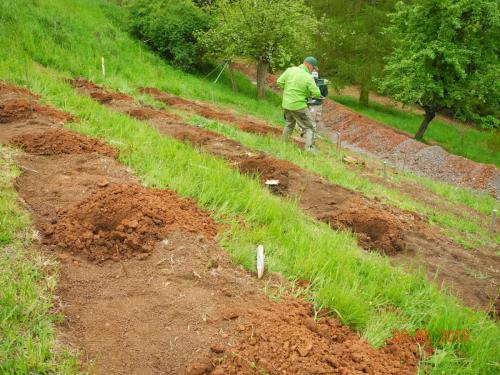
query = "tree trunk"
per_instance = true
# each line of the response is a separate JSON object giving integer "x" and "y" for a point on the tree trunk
{"x": 429, "y": 115}
{"x": 363, "y": 95}
{"x": 234, "y": 85}
{"x": 262, "y": 68}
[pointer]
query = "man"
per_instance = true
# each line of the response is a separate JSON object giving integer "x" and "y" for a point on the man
{"x": 299, "y": 85}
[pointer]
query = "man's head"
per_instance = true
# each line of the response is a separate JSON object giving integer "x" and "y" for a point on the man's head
{"x": 311, "y": 63}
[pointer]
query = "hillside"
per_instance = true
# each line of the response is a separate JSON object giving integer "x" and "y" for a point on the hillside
{"x": 146, "y": 191}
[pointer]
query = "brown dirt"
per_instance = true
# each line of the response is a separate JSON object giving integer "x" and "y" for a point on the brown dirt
{"x": 284, "y": 339}
{"x": 60, "y": 141}
{"x": 410, "y": 240}
{"x": 123, "y": 221}
{"x": 182, "y": 309}
{"x": 361, "y": 134}
{"x": 18, "y": 109}
{"x": 245, "y": 123}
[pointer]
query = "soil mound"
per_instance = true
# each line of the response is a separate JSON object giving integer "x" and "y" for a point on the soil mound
{"x": 245, "y": 123}
{"x": 269, "y": 168}
{"x": 20, "y": 109}
{"x": 375, "y": 229}
{"x": 124, "y": 221}
{"x": 149, "y": 113}
{"x": 8, "y": 91}
{"x": 60, "y": 141}
{"x": 284, "y": 339}
{"x": 97, "y": 93}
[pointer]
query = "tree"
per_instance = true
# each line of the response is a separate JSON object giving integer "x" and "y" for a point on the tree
{"x": 445, "y": 57}
{"x": 271, "y": 32}
{"x": 352, "y": 45}
{"x": 169, "y": 27}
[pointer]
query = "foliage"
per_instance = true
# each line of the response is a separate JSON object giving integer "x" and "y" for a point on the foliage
{"x": 273, "y": 33}
{"x": 351, "y": 45}
{"x": 168, "y": 26}
{"x": 445, "y": 56}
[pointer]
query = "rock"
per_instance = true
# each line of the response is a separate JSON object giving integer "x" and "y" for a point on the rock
{"x": 241, "y": 327}
{"x": 102, "y": 183}
{"x": 132, "y": 224}
{"x": 230, "y": 314}
{"x": 217, "y": 348}
{"x": 305, "y": 349}
{"x": 198, "y": 368}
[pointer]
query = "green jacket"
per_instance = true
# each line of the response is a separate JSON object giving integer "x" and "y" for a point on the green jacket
{"x": 298, "y": 84}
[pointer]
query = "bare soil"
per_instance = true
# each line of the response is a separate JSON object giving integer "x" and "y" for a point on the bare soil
{"x": 125, "y": 220}
{"x": 183, "y": 309}
{"x": 284, "y": 337}
{"x": 406, "y": 236}
{"x": 245, "y": 123}
{"x": 60, "y": 141}
{"x": 361, "y": 134}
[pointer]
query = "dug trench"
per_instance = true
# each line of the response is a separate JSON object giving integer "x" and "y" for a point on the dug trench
{"x": 144, "y": 287}
{"x": 405, "y": 236}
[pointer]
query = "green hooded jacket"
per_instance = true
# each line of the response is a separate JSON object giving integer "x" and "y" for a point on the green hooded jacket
{"x": 298, "y": 84}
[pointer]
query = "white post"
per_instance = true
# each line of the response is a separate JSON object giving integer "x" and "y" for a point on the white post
{"x": 385, "y": 170}
{"x": 103, "y": 68}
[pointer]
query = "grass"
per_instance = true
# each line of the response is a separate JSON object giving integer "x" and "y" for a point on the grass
{"x": 44, "y": 44}
{"x": 27, "y": 283}
{"x": 466, "y": 141}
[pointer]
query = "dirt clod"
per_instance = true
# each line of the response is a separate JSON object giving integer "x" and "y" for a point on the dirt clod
{"x": 281, "y": 343}
{"x": 124, "y": 221}
{"x": 60, "y": 141}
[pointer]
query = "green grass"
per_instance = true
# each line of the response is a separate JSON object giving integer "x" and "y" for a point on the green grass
{"x": 27, "y": 285}
{"x": 44, "y": 44}
{"x": 480, "y": 146}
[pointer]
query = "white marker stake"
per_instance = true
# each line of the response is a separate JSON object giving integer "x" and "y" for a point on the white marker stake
{"x": 103, "y": 68}
{"x": 260, "y": 261}
{"x": 385, "y": 170}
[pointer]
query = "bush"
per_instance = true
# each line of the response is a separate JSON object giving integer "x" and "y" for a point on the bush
{"x": 168, "y": 26}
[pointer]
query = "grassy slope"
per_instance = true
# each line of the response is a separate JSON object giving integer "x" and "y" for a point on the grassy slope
{"x": 26, "y": 288}
{"x": 470, "y": 230}
{"x": 459, "y": 140}
{"x": 68, "y": 40}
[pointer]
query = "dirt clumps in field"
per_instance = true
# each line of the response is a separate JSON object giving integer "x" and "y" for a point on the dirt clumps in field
{"x": 150, "y": 113}
{"x": 19, "y": 109}
{"x": 103, "y": 97}
{"x": 375, "y": 229}
{"x": 245, "y": 123}
{"x": 284, "y": 339}
{"x": 269, "y": 168}
{"x": 124, "y": 221}
{"x": 60, "y": 141}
